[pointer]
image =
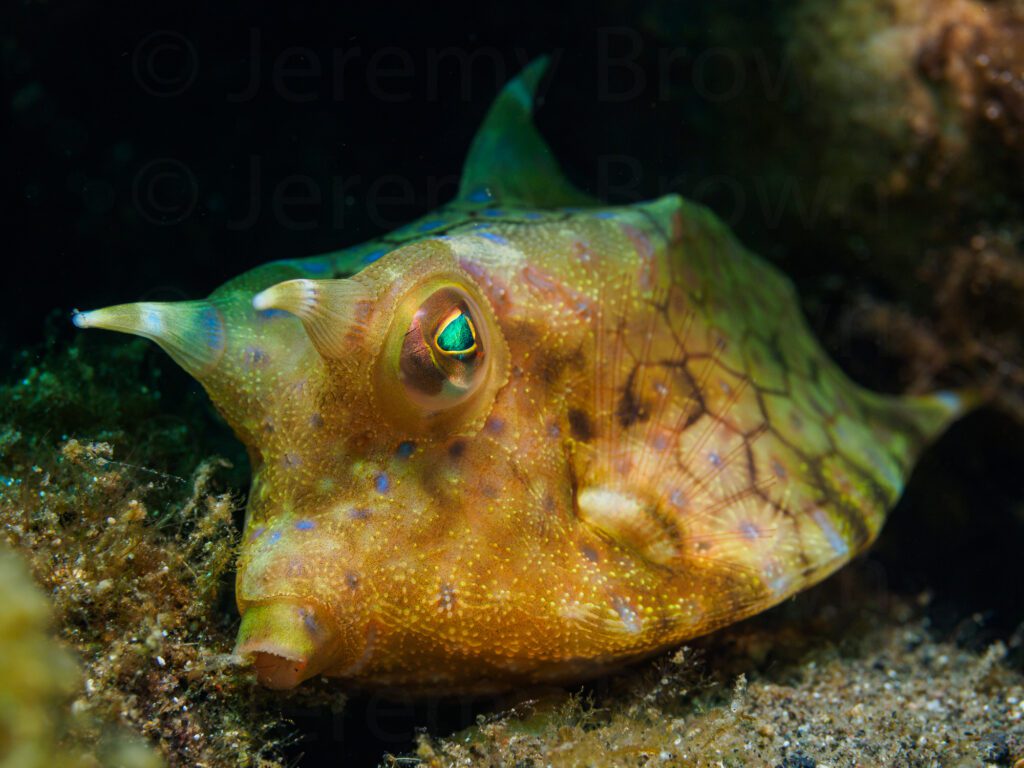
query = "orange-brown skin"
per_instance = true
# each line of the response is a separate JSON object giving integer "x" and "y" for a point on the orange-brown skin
{"x": 650, "y": 445}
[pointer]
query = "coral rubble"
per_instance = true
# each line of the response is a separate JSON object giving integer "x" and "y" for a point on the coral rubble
{"x": 134, "y": 558}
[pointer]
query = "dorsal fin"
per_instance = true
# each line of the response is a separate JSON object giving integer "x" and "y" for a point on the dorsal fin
{"x": 509, "y": 163}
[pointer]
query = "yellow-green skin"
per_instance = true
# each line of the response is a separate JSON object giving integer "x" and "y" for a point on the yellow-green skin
{"x": 656, "y": 447}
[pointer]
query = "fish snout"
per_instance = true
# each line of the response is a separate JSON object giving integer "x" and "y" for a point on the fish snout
{"x": 286, "y": 642}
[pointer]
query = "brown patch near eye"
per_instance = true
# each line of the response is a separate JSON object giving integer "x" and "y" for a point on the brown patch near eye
{"x": 579, "y": 424}
{"x": 417, "y": 366}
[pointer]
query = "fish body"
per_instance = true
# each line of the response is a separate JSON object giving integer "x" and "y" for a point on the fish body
{"x": 528, "y": 437}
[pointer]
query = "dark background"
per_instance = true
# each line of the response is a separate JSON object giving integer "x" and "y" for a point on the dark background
{"x": 140, "y": 144}
{"x": 141, "y": 160}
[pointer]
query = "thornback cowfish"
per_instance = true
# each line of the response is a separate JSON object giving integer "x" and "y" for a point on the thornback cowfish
{"x": 529, "y": 437}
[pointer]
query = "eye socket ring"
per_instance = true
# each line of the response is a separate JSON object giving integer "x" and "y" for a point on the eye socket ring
{"x": 443, "y": 360}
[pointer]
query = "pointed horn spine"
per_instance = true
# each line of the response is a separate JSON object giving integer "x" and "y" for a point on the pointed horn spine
{"x": 191, "y": 332}
{"x": 332, "y": 311}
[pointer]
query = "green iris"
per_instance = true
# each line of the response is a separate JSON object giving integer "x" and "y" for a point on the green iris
{"x": 456, "y": 337}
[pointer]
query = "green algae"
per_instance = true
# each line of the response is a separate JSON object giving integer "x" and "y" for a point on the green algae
{"x": 135, "y": 556}
{"x": 39, "y": 723}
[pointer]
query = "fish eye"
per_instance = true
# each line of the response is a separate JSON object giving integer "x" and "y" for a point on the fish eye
{"x": 441, "y": 354}
{"x": 456, "y": 335}
{"x": 444, "y": 356}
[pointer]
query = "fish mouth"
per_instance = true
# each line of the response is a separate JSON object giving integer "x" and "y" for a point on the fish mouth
{"x": 285, "y": 642}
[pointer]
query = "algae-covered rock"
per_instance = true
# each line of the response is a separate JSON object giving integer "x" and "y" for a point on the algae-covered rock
{"x": 875, "y": 149}
{"x": 917, "y": 108}
{"x": 920, "y": 103}
{"x": 134, "y": 557}
{"x": 39, "y": 727}
{"x": 37, "y": 675}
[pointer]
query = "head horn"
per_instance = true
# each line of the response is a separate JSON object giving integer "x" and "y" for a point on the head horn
{"x": 191, "y": 332}
{"x": 333, "y": 312}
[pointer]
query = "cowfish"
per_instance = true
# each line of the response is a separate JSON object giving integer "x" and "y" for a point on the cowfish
{"x": 529, "y": 437}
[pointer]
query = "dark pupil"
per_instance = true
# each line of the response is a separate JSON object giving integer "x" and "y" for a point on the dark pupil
{"x": 457, "y": 336}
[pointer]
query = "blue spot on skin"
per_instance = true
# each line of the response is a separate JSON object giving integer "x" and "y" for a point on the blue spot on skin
{"x": 212, "y": 328}
{"x": 405, "y": 449}
{"x": 382, "y": 482}
{"x": 257, "y": 533}
{"x": 715, "y": 459}
{"x": 373, "y": 255}
{"x": 272, "y": 314}
{"x": 835, "y": 539}
{"x": 316, "y": 267}
{"x": 479, "y": 195}
{"x": 494, "y": 237}
{"x": 426, "y": 226}
{"x": 605, "y": 215}
{"x": 750, "y": 531}
{"x": 494, "y": 212}
{"x": 305, "y": 525}
{"x": 275, "y": 537}
{"x": 309, "y": 620}
{"x": 256, "y": 357}
{"x": 780, "y": 584}
{"x": 532, "y": 215}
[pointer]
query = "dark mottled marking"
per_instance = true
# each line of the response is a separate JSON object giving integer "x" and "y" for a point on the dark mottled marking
{"x": 631, "y": 410}
{"x": 590, "y": 553}
{"x": 687, "y": 385}
{"x": 359, "y": 513}
{"x": 457, "y": 449}
{"x": 776, "y": 352}
{"x": 551, "y": 365}
{"x": 813, "y": 369}
{"x": 352, "y": 579}
{"x": 580, "y": 426}
{"x": 316, "y": 421}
